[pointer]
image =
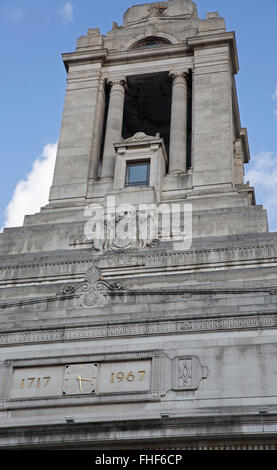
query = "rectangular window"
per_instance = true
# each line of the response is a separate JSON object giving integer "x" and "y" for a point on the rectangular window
{"x": 137, "y": 173}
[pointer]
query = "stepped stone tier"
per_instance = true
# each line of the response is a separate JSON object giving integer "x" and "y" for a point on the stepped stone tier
{"x": 144, "y": 342}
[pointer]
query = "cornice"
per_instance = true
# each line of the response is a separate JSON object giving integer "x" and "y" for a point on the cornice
{"x": 104, "y": 56}
{"x": 245, "y": 143}
{"x": 252, "y": 430}
{"x": 216, "y": 40}
{"x": 99, "y": 293}
{"x": 84, "y": 57}
{"x": 111, "y": 57}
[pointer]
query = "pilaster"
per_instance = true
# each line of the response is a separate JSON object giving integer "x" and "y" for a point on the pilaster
{"x": 212, "y": 114}
{"x": 76, "y": 144}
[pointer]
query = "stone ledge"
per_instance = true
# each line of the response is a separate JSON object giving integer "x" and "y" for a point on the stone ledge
{"x": 240, "y": 425}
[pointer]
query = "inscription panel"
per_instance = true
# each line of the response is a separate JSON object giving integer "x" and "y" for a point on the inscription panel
{"x": 32, "y": 382}
{"x": 129, "y": 376}
{"x": 92, "y": 378}
{"x": 97, "y": 378}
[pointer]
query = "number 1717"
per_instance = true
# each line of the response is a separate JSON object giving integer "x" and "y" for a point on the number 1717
{"x": 35, "y": 381}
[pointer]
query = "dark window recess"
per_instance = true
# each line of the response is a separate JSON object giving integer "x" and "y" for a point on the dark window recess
{"x": 150, "y": 42}
{"x": 189, "y": 120}
{"x": 147, "y": 106}
{"x": 107, "y": 100}
{"x": 137, "y": 173}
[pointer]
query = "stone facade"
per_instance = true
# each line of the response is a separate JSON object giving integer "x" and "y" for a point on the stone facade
{"x": 142, "y": 344}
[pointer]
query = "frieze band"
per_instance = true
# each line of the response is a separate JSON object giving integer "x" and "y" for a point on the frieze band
{"x": 134, "y": 259}
{"x": 140, "y": 329}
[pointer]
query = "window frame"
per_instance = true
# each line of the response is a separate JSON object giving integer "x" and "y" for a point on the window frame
{"x": 132, "y": 163}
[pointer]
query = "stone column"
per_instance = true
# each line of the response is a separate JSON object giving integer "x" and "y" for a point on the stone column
{"x": 113, "y": 127}
{"x": 178, "y": 126}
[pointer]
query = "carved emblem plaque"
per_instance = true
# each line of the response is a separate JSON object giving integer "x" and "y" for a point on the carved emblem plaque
{"x": 188, "y": 373}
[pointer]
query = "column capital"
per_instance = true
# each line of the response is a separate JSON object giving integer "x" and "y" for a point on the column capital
{"x": 121, "y": 82}
{"x": 179, "y": 74}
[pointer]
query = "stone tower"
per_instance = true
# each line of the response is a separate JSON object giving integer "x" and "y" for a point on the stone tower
{"x": 141, "y": 301}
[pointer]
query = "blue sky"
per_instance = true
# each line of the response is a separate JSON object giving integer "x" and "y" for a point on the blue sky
{"x": 33, "y": 35}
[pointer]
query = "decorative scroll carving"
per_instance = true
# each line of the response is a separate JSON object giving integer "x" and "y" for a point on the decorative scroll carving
{"x": 93, "y": 291}
{"x": 141, "y": 136}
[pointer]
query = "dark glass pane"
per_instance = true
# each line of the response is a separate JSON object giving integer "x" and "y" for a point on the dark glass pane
{"x": 137, "y": 174}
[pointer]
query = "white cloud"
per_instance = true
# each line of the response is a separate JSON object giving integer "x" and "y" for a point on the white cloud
{"x": 262, "y": 174}
{"x": 33, "y": 192}
{"x": 67, "y": 12}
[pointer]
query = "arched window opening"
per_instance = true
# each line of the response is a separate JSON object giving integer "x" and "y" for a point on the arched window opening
{"x": 150, "y": 42}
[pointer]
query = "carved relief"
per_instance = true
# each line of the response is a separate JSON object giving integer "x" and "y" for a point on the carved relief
{"x": 93, "y": 291}
{"x": 157, "y": 11}
{"x": 184, "y": 372}
{"x": 188, "y": 373}
{"x": 140, "y": 228}
{"x": 121, "y": 259}
{"x": 138, "y": 136}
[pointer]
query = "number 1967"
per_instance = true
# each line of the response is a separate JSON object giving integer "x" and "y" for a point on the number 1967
{"x": 130, "y": 376}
